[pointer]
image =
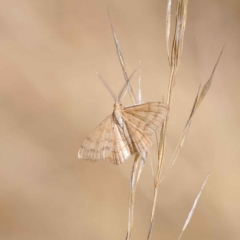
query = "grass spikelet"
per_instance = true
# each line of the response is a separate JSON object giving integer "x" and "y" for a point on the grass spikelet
{"x": 121, "y": 60}
{"x": 181, "y": 16}
{"x": 193, "y": 208}
{"x": 198, "y": 100}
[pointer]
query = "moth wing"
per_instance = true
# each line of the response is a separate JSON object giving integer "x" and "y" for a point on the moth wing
{"x": 98, "y": 145}
{"x": 106, "y": 142}
{"x": 121, "y": 149}
{"x": 142, "y": 121}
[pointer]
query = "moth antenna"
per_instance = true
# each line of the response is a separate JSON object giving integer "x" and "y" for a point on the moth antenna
{"x": 125, "y": 87}
{"x": 107, "y": 86}
{"x": 139, "y": 83}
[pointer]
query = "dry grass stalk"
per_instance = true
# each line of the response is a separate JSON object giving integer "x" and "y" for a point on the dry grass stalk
{"x": 133, "y": 186}
{"x": 135, "y": 163}
{"x": 143, "y": 156}
{"x": 121, "y": 60}
{"x": 168, "y": 27}
{"x": 135, "y": 170}
{"x": 174, "y": 59}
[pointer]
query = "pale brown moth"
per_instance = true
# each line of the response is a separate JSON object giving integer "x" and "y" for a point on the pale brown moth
{"x": 126, "y": 131}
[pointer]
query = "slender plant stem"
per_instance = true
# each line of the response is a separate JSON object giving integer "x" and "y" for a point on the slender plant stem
{"x": 174, "y": 59}
{"x": 133, "y": 185}
{"x": 161, "y": 154}
{"x": 134, "y": 173}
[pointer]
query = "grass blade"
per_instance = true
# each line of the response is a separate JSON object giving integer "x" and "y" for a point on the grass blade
{"x": 182, "y": 139}
{"x": 180, "y": 26}
{"x": 193, "y": 208}
{"x": 209, "y": 82}
{"x": 168, "y": 27}
{"x": 143, "y": 158}
{"x": 121, "y": 59}
{"x": 200, "y": 96}
{"x": 133, "y": 183}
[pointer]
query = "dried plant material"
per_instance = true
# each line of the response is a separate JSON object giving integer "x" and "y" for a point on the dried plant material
{"x": 209, "y": 82}
{"x": 151, "y": 164}
{"x": 121, "y": 60}
{"x": 156, "y": 181}
{"x": 133, "y": 187}
{"x": 168, "y": 28}
{"x": 136, "y": 171}
{"x": 182, "y": 139}
{"x": 200, "y": 96}
{"x": 193, "y": 208}
{"x": 128, "y": 130}
{"x": 181, "y": 16}
{"x": 143, "y": 158}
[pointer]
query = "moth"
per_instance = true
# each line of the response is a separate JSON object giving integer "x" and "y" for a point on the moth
{"x": 128, "y": 130}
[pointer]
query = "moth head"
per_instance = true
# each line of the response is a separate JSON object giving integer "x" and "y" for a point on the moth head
{"x": 117, "y": 105}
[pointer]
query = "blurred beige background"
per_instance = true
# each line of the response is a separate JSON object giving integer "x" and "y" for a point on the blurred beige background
{"x": 51, "y": 99}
